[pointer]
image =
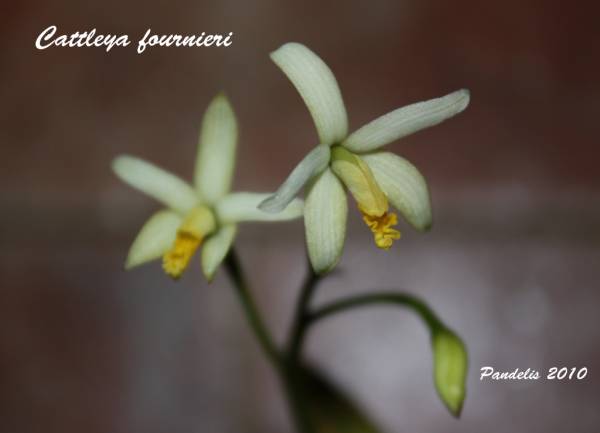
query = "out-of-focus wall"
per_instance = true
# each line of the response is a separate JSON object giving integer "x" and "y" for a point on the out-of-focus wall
{"x": 511, "y": 263}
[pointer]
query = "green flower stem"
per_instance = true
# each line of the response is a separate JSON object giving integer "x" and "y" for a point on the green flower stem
{"x": 236, "y": 274}
{"x": 449, "y": 352}
{"x": 288, "y": 372}
{"x": 301, "y": 315}
{"x": 450, "y": 358}
{"x": 305, "y": 319}
{"x": 380, "y": 298}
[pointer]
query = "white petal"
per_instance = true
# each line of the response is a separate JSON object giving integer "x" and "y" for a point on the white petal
{"x": 216, "y": 248}
{"x": 325, "y": 214}
{"x": 318, "y": 87}
{"x": 315, "y": 162}
{"x": 406, "y": 120}
{"x": 156, "y": 182}
{"x": 216, "y": 150}
{"x": 243, "y": 206}
{"x": 155, "y": 238}
{"x": 405, "y": 187}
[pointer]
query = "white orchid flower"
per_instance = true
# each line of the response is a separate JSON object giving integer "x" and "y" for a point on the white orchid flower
{"x": 206, "y": 213}
{"x": 375, "y": 179}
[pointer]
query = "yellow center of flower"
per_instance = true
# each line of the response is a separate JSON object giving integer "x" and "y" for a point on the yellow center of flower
{"x": 199, "y": 223}
{"x": 381, "y": 226}
{"x": 177, "y": 259}
{"x": 372, "y": 201}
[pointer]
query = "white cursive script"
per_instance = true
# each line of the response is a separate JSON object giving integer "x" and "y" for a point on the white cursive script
{"x": 48, "y": 38}
{"x": 516, "y": 374}
{"x": 202, "y": 40}
{"x": 84, "y": 39}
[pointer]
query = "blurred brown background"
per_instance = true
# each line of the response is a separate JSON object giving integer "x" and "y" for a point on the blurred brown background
{"x": 511, "y": 264}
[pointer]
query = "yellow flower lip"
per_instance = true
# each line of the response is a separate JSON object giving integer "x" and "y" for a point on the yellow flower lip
{"x": 372, "y": 201}
{"x": 198, "y": 223}
{"x": 383, "y": 233}
{"x": 177, "y": 259}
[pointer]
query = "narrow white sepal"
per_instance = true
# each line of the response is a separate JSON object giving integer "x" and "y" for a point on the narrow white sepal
{"x": 154, "y": 239}
{"x": 216, "y": 150}
{"x": 315, "y": 162}
{"x": 406, "y": 120}
{"x": 243, "y": 206}
{"x": 318, "y": 87}
{"x": 156, "y": 182}
{"x": 325, "y": 215}
{"x": 404, "y": 186}
{"x": 216, "y": 248}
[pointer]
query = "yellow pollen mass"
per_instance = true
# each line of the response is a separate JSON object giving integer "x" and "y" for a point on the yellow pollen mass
{"x": 381, "y": 226}
{"x": 177, "y": 259}
{"x": 197, "y": 224}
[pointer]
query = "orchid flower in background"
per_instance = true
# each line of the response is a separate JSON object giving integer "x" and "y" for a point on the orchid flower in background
{"x": 204, "y": 214}
{"x": 375, "y": 179}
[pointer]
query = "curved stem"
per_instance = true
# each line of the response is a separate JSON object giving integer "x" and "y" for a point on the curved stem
{"x": 236, "y": 274}
{"x": 382, "y": 298}
{"x": 301, "y": 314}
{"x": 287, "y": 371}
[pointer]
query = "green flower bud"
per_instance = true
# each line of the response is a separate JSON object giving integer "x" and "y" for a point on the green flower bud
{"x": 450, "y": 368}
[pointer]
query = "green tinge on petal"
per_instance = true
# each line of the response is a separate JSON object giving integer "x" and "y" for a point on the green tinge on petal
{"x": 325, "y": 214}
{"x": 154, "y": 239}
{"x": 359, "y": 179}
{"x": 406, "y": 120}
{"x": 314, "y": 163}
{"x": 216, "y": 150}
{"x": 156, "y": 182}
{"x": 404, "y": 186}
{"x": 450, "y": 368}
{"x": 243, "y": 206}
{"x": 216, "y": 248}
{"x": 318, "y": 87}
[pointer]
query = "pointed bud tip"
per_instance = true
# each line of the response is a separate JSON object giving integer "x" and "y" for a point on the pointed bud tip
{"x": 457, "y": 410}
{"x": 450, "y": 369}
